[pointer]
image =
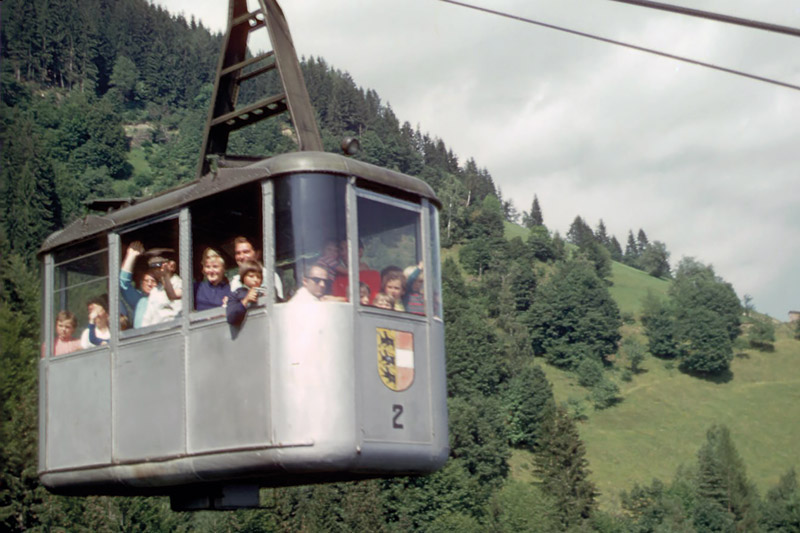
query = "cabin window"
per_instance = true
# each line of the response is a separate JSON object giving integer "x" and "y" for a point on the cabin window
{"x": 226, "y": 234}
{"x": 80, "y": 297}
{"x": 389, "y": 230}
{"x": 310, "y": 222}
{"x": 150, "y": 280}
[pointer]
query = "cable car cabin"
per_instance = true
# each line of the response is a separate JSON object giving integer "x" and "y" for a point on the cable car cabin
{"x": 314, "y": 383}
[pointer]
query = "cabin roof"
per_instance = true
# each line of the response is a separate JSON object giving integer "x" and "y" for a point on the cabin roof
{"x": 231, "y": 174}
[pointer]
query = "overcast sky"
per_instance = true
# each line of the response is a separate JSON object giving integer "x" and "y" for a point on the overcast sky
{"x": 704, "y": 161}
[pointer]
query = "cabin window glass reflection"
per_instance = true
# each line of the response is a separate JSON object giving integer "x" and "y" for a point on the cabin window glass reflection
{"x": 310, "y": 230}
{"x": 390, "y": 234}
{"x": 80, "y": 281}
{"x": 150, "y": 279}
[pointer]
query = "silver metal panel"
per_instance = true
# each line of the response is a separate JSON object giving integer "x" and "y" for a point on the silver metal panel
{"x": 313, "y": 386}
{"x": 79, "y": 410}
{"x": 227, "y": 384}
{"x": 149, "y": 397}
{"x": 47, "y": 348}
{"x": 388, "y": 415}
{"x": 42, "y": 458}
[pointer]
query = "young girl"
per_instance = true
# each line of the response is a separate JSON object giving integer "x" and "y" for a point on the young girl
{"x": 97, "y": 333}
{"x": 251, "y": 274}
{"x": 214, "y": 289}
{"x": 394, "y": 284}
{"x": 65, "y": 327}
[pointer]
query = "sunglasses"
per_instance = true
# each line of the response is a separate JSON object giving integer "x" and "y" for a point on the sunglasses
{"x": 317, "y": 280}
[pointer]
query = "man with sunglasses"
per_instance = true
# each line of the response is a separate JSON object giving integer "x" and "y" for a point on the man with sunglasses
{"x": 315, "y": 283}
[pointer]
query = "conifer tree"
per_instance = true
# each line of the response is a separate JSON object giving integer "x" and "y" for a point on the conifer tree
{"x": 641, "y": 241}
{"x": 564, "y": 470}
{"x": 580, "y": 234}
{"x": 601, "y": 234}
{"x": 529, "y": 405}
{"x": 615, "y": 249}
{"x": 534, "y": 217}
{"x": 631, "y": 257}
{"x": 722, "y": 479}
{"x": 781, "y": 508}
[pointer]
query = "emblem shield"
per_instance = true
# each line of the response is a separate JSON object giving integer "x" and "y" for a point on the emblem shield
{"x": 395, "y": 358}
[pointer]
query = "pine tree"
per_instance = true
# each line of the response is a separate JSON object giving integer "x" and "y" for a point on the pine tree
{"x": 31, "y": 209}
{"x": 722, "y": 479}
{"x": 641, "y": 241}
{"x": 580, "y": 234}
{"x": 601, "y": 235}
{"x": 529, "y": 406}
{"x": 781, "y": 508}
{"x": 562, "y": 466}
{"x": 631, "y": 257}
{"x": 534, "y": 217}
{"x": 615, "y": 249}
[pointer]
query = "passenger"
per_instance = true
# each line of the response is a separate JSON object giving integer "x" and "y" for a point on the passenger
{"x": 364, "y": 293}
{"x": 394, "y": 284}
{"x": 164, "y": 303}
{"x": 383, "y": 301}
{"x": 97, "y": 333}
{"x": 214, "y": 289}
{"x": 414, "y": 299}
{"x": 65, "y": 327}
{"x": 343, "y": 257}
{"x": 315, "y": 283}
{"x": 136, "y": 298}
{"x": 243, "y": 250}
{"x": 252, "y": 275}
{"x": 391, "y": 269}
{"x": 329, "y": 258}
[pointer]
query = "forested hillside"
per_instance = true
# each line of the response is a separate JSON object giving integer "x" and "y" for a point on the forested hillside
{"x": 548, "y": 338}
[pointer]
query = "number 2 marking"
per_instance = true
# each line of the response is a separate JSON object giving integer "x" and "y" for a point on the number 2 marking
{"x": 398, "y": 410}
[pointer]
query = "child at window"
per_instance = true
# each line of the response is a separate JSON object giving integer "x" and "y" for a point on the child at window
{"x": 214, "y": 289}
{"x": 363, "y": 293}
{"x": 413, "y": 299}
{"x": 97, "y": 333}
{"x": 383, "y": 301}
{"x": 65, "y": 327}
{"x": 251, "y": 274}
{"x": 394, "y": 285}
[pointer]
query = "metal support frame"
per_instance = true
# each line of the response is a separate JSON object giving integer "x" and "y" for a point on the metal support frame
{"x": 224, "y": 116}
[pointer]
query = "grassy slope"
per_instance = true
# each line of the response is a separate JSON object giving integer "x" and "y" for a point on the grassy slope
{"x": 662, "y": 420}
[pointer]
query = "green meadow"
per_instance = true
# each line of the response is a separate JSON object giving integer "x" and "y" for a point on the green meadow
{"x": 662, "y": 419}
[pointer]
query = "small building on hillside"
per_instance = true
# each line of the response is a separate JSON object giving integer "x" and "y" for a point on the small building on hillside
{"x": 794, "y": 316}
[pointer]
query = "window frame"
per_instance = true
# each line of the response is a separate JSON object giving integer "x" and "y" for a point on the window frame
{"x": 421, "y": 245}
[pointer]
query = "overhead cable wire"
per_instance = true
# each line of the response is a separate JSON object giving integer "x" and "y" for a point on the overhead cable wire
{"x": 626, "y": 45}
{"x": 766, "y": 26}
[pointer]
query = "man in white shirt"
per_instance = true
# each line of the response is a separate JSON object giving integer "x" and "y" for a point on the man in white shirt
{"x": 315, "y": 281}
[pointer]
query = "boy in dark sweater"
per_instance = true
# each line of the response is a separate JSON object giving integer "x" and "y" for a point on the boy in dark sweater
{"x": 251, "y": 274}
